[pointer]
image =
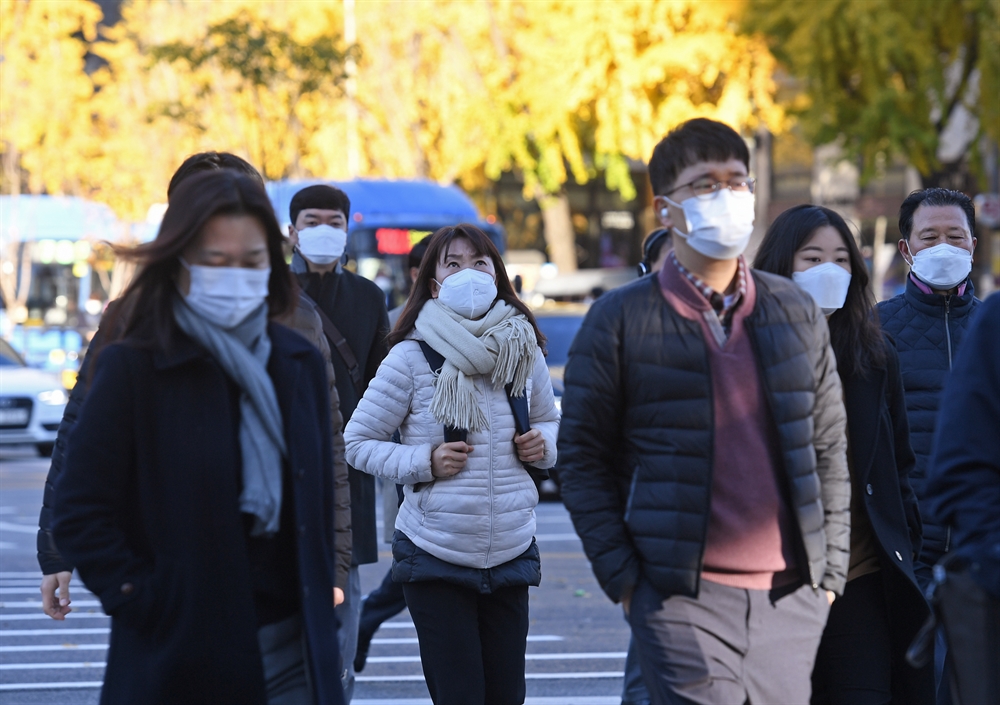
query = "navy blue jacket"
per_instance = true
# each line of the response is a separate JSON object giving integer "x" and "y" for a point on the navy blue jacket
{"x": 146, "y": 509}
{"x": 963, "y": 489}
{"x": 928, "y": 330}
{"x": 412, "y": 564}
{"x": 636, "y": 438}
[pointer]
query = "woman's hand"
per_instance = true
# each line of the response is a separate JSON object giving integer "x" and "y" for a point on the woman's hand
{"x": 530, "y": 446}
{"x": 449, "y": 458}
{"x": 338, "y": 597}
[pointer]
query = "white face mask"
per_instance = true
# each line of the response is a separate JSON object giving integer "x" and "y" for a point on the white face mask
{"x": 322, "y": 244}
{"x": 469, "y": 293}
{"x": 226, "y": 295}
{"x": 827, "y": 283}
{"x": 943, "y": 266}
{"x": 719, "y": 227}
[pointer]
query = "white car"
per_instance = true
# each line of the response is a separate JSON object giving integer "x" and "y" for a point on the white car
{"x": 31, "y": 403}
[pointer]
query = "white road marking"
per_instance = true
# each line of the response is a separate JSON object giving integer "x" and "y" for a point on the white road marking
{"x": 528, "y": 676}
{"x": 41, "y": 615}
{"x": 37, "y": 604}
{"x": 597, "y": 655}
{"x": 56, "y": 647}
{"x": 52, "y": 632}
{"x": 18, "y": 528}
{"x": 539, "y": 637}
{"x": 46, "y": 666}
{"x": 69, "y": 685}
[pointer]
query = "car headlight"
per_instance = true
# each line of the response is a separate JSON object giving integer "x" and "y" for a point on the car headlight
{"x": 55, "y": 397}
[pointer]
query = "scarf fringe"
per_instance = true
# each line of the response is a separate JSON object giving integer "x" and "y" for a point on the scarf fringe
{"x": 501, "y": 347}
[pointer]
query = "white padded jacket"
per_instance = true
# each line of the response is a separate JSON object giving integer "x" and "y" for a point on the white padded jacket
{"x": 484, "y": 515}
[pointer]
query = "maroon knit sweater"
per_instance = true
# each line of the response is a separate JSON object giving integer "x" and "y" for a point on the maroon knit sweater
{"x": 750, "y": 527}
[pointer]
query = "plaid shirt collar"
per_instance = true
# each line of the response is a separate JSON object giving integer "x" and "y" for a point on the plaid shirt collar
{"x": 723, "y": 305}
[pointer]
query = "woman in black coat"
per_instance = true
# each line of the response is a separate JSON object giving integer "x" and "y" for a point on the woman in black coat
{"x": 197, "y": 496}
{"x": 861, "y": 657}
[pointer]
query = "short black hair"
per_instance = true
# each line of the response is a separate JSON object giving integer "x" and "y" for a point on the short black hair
{"x": 934, "y": 197}
{"x": 212, "y": 161}
{"x": 697, "y": 140}
{"x": 416, "y": 255}
{"x": 319, "y": 196}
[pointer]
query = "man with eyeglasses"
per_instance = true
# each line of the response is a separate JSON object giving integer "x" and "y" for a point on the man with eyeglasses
{"x": 703, "y": 450}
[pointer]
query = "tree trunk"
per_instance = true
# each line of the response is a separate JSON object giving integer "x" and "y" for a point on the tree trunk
{"x": 559, "y": 234}
{"x": 761, "y": 164}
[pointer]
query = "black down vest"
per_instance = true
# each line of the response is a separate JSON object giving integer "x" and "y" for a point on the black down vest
{"x": 636, "y": 439}
{"x": 928, "y": 330}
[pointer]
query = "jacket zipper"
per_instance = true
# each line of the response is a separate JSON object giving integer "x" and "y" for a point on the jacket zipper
{"x": 947, "y": 326}
{"x": 489, "y": 408}
{"x": 711, "y": 467}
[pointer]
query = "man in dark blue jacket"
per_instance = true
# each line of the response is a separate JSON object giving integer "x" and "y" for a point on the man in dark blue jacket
{"x": 928, "y": 322}
{"x": 702, "y": 447}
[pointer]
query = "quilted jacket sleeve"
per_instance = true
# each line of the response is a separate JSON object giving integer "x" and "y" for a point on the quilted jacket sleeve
{"x": 542, "y": 413}
{"x": 381, "y": 411}
{"x": 830, "y": 444}
{"x": 590, "y": 447}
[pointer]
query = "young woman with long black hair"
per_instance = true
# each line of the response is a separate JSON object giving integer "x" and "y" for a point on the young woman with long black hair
{"x": 861, "y": 657}
{"x": 465, "y": 352}
{"x": 197, "y": 496}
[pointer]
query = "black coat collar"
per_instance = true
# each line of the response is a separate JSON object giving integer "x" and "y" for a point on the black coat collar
{"x": 183, "y": 349}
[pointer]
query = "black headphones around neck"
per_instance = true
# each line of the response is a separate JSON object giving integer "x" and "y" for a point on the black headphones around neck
{"x": 653, "y": 240}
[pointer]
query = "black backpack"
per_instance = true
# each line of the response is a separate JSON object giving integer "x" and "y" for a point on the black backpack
{"x": 518, "y": 406}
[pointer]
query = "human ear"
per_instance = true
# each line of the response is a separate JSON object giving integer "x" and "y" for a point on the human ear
{"x": 904, "y": 251}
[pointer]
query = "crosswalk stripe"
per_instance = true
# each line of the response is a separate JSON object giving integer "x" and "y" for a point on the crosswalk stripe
{"x": 68, "y": 685}
{"x": 22, "y": 648}
{"x": 52, "y": 632}
{"x": 37, "y": 604}
{"x": 528, "y": 676}
{"x": 597, "y": 655}
{"x": 413, "y": 640}
{"x": 46, "y": 666}
{"x": 42, "y": 615}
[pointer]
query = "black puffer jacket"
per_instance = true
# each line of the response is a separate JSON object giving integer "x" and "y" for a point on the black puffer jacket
{"x": 928, "y": 330}
{"x": 636, "y": 439}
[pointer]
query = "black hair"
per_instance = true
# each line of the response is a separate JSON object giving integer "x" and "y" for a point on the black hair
{"x": 322, "y": 196}
{"x": 416, "y": 255}
{"x": 934, "y": 197}
{"x": 697, "y": 140}
{"x": 211, "y": 161}
{"x": 855, "y": 335}
{"x": 437, "y": 250}
{"x": 145, "y": 311}
{"x": 651, "y": 249}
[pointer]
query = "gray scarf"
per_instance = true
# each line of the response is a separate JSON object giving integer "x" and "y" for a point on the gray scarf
{"x": 243, "y": 352}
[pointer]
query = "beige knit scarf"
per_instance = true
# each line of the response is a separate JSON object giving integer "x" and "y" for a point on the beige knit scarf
{"x": 501, "y": 346}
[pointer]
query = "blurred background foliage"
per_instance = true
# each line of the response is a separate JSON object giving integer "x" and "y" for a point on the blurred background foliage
{"x": 468, "y": 90}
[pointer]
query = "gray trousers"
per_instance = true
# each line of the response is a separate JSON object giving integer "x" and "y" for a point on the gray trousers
{"x": 728, "y": 646}
{"x": 282, "y": 650}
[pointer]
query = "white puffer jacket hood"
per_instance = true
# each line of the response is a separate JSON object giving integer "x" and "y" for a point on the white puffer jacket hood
{"x": 484, "y": 515}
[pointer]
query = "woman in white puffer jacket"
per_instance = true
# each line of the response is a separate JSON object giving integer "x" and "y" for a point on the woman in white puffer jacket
{"x": 464, "y": 545}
